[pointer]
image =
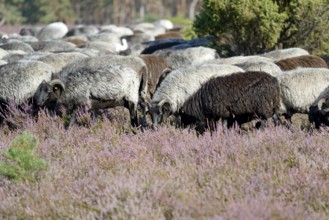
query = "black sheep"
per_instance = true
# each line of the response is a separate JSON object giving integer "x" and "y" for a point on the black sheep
{"x": 239, "y": 97}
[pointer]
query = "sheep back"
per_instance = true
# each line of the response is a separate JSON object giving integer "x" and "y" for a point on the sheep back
{"x": 249, "y": 93}
{"x": 302, "y": 61}
{"x": 20, "y": 80}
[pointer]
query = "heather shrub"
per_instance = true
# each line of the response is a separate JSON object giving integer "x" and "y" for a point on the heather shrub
{"x": 22, "y": 162}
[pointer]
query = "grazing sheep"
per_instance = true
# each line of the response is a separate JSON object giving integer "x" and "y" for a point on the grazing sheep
{"x": 238, "y": 96}
{"x": 95, "y": 88}
{"x": 83, "y": 30}
{"x": 121, "y": 31}
{"x": 19, "y": 80}
{"x": 167, "y": 35}
{"x": 52, "y": 46}
{"x": 17, "y": 45}
{"x": 277, "y": 55}
{"x": 31, "y": 31}
{"x": 301, "y": 61}
{"x": 238, "y": 59}
{"x": 134, "y": 62}
{"x": 156, "y": 65}
{"x": 319, "y": 113}
{"x": 167, "y": 24}
{"x": 180, "y": 84}
{"x": 59, "y": 60}
{"x": 52, "y": 31}
{"x": 301, "y": 88}
{"x": 265, "y": 66}
{"x": 186, "y": 57}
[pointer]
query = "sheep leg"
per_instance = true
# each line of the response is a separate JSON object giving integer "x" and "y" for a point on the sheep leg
{"x": 133, "y": 113}
{"x": 73, "y": 118}
{"x": 276, "y": 119}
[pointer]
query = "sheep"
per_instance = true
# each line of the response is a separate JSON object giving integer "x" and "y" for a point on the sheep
{"x": 265, "y": 66}
{"x": 238, "y": 59}
{"x": 95, "y": 88}
{"x": 318, "y": 113}
{"x": 52, "y": 31}
{"x": 235, "y": 97}
{"x": 121, "y": 31}
{"x": 79, "y": 30}
{"x": 3, "y": 53}
{"x": 176, "y": 88}
{"x": 136, "y": 63}
{"x": 19, "y": 81}
{"x": 277, "y": 55}
{"x": 103, "y": 47}
{"x": 59, "y": 60}
{"x": 169, "y": 34}
{"x": 156, "y": 65}
{"x": 301, "y": 61}
{"x": 185, "y": 57}
{"x": 301, "y": 88}
{"x": 167, "y": 24}
{"x": 52, "y": 46}
{"x": 17, "y": 45}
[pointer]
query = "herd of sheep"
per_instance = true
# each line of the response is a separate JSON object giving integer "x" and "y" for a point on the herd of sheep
{"x": 149, "y": 69}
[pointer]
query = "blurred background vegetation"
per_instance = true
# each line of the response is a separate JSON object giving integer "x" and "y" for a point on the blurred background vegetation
{"x": 241, "y": 27}
{"x": 118, "y": 12}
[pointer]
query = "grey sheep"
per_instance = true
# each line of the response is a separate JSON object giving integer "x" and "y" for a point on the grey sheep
{"x": 310, "y": 61}
{"x": 17, "y": 45}
{"x": 186, "y": 57}
{"x": 237, "y": 97}
{"x": 134, "y": 62}
{"x": 265, "y": 66}
{"x": 52, "y": 46}
{"x": 19, "y": 80}
{"x": 94, "y": 88}
{"x": 281, "y": 54}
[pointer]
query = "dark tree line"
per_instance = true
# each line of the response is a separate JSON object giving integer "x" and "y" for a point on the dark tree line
{"x": 118, "y": 12}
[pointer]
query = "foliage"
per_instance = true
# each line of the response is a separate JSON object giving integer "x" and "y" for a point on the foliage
{"x": 252, "y": 27}
{"x": 11, "y": 13}
{"x": 23, "y": 163}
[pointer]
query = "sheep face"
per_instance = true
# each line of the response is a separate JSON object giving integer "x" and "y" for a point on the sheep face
{"x": 319, "y": 112}
{"x": 160, "y": 112}
{"x": 47, "y": 93}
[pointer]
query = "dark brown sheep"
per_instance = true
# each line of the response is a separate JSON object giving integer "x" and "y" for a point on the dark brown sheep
{"x": 156, "y": 65}
{"x": 169, "y": 34}
{"x": 302, "y": 61}
{"x": 239, "y": 97}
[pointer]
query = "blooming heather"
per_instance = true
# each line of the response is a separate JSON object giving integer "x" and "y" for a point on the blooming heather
{"x": 104, "y": 172}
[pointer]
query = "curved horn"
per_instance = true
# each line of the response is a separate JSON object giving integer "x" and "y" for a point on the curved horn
{"x": 57, "y": 82}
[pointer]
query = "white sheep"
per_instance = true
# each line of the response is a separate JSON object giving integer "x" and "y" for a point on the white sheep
{"x": 265, "y": 66}
{"x": 95, "y": 88}
{"x": 238, "y": 59}
{"x": 302, "y": 87}
{"x": 277, "y": 55}
{"x": 186, "y": 57}
{"x": 180, "y": 84}
{"x": 52, "y": 31}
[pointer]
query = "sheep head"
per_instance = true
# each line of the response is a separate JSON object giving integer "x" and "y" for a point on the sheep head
{"x": 48, "y": 92}
{"x": 160, "y": 112}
